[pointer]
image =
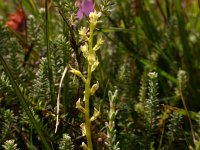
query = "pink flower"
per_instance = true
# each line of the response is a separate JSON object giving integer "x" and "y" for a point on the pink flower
{"x": 186, "y": 3}
{"x": 85, "y": 7}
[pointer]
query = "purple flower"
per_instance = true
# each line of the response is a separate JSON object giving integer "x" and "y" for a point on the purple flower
{"x": 186, "y": 3}
{"x": 85, "y": 7}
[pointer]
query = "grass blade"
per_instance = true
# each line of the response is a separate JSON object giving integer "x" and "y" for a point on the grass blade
{"x": 23, "y": 103}
{"x": 52, "y": 89}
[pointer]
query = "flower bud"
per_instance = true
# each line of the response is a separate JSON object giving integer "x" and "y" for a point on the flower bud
{"x": 83, "y": 32}
{"x": 84, "y": 49}
{"x": 94, "y": 66}
{"x": 94, "y": 88}
{"x": 83, "y": 129}
{"x": 95, "y": 115}
{"x": 84, "y": 146}
{"x": 78, "y": 73}
{"x": 100, "y": 41}
{"x": 78, "y": 106}
{"x": 91, "y": 59}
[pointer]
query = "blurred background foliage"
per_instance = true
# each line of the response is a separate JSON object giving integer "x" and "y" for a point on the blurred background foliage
{"x": 151, "y": 56}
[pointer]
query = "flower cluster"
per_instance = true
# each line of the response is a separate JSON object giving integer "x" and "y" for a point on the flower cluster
{"x": 89, "y": 53}
{"x": 94, "y": 17}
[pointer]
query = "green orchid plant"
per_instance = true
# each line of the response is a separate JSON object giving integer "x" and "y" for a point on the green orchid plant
{"x": 89, "y": 52}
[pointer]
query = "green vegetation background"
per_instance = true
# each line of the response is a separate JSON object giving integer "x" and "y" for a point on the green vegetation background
{"x": 141, "y": 37}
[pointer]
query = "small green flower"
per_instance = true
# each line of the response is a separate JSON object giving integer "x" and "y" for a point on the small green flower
{"x": 84, "y": 49}
{"x": 100, "y": 41}
{"x": 83, "y": 129}
{"x": 84, "y": 33}
{"x": 95, "y": 115}
{"x": 94, "y": 88}
{"x": 95, "y": 64}
{"x": 78, "y": 106}
{"x": 91, "y": 59}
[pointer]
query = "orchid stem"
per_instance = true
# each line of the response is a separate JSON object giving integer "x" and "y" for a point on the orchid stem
{"x": 87, "y": 94}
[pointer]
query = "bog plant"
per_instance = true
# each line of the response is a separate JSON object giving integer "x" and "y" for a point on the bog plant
{"x": 147, "y": 50}
{"x": 89, "y": 53}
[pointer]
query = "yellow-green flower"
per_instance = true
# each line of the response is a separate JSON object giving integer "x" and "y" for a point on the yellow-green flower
{"x": 84, "y": 49}
{"x": 100, "y": 41}
{"x": 94, "y": 16}
{"x": 84, "y": 33}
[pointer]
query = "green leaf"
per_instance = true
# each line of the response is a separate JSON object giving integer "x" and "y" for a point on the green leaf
{"x": 31, "y": 6}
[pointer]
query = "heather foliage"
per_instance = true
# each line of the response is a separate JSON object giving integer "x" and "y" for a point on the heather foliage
{"x": 101, "y": 74}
